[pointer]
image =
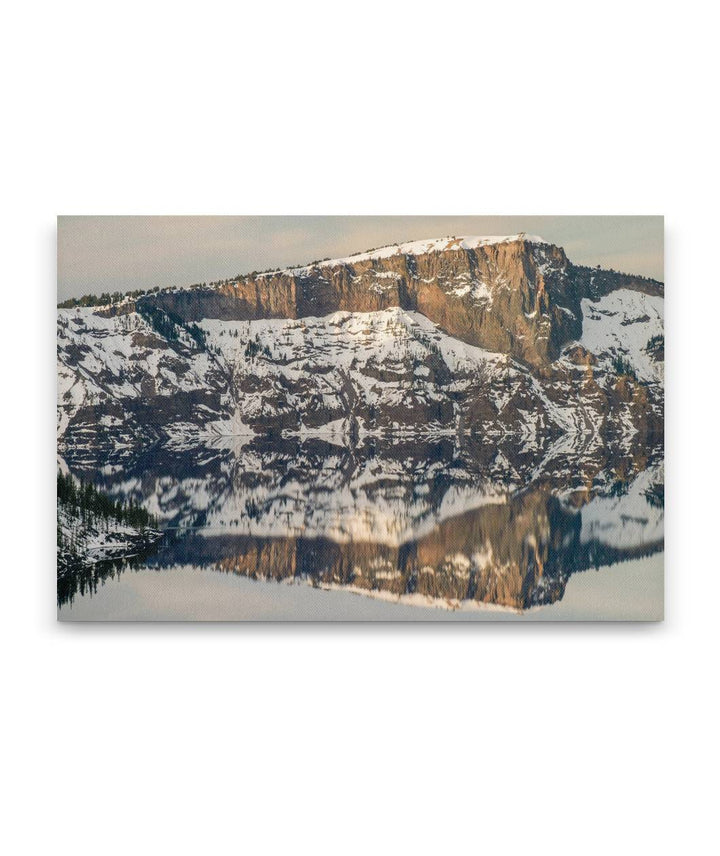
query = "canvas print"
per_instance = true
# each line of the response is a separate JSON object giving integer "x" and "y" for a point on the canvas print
{"x": 360, "y": 418}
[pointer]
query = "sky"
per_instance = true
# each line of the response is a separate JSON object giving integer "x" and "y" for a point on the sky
{"x": 123, "y": 253}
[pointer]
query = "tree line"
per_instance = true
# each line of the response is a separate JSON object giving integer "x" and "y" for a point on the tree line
{"x": 623, "y": 367}
{"x": 166, "y": 323}
{"x": 84, "y": 500}
{"x": 107, "y": 298}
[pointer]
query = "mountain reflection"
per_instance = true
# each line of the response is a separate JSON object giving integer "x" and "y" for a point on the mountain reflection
{"x": 449, "y": 522}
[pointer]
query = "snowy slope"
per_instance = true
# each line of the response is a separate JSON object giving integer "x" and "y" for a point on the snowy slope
{"x": 99, "y": 356}
{"x": 108, "y": 367}
{"x": 347, "y": 361}
{"x": 622, "y": 324}
{"x": 389, "y": 370}
{"x": 85, "y": 543}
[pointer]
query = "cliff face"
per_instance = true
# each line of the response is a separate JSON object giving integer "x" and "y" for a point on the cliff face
{"x": 516, "y": 296}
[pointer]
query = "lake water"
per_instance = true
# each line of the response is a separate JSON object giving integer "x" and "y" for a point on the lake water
{"x": 303, "y": 529}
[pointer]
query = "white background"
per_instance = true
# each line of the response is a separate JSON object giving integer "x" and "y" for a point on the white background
{"x": 359, "y": 739}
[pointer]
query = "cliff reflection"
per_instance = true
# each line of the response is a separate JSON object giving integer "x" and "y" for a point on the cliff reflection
{"x": 516, "y": 555}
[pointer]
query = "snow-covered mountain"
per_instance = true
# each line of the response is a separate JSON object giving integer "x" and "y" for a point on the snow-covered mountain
{"x": 451, "y": 421}
{"x": 493, "y": 337}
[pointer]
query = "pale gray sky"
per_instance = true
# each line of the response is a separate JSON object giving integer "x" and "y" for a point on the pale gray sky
{"x": 97, "y": 254}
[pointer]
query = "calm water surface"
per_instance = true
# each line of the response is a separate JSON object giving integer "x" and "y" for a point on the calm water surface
{"x": 401, "y": 530}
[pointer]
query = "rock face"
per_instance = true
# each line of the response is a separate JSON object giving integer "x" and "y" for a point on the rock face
{"x": 485, "y": 336}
